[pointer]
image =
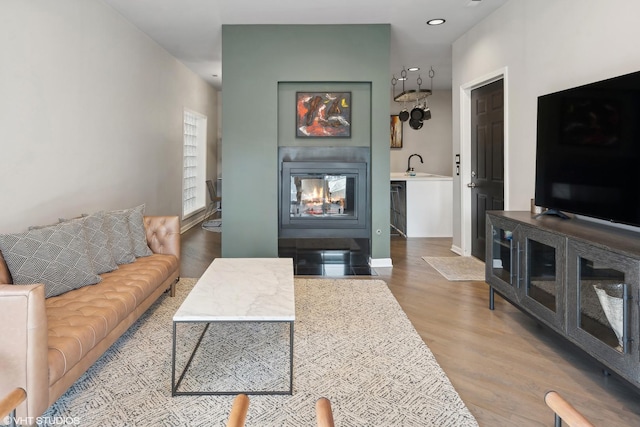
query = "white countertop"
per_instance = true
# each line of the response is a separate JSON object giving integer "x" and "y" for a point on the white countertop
{"x": 242, "y": 289}
{"x": 420, "y": 176}
{"x": 428, "y": 204}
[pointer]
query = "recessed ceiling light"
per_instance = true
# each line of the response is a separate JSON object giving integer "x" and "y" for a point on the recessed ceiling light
{"x": 438, "y": 21}
{"x": 414, "y": 68}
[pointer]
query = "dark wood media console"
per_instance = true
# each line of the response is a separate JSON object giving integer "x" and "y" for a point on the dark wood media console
{"x": 580, "y": 278}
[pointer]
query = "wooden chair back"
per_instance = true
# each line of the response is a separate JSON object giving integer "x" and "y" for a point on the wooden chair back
{"x": 239, "y": 409}
{"x": 10, "y": 402}
{"x": 564, "y": 411}
{"x": 324, "y": 414}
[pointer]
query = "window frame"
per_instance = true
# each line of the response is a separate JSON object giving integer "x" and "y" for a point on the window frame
{"x": 194, "y": 152}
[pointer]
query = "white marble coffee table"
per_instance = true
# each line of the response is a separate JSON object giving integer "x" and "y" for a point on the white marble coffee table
{"x": 239, "y": 290}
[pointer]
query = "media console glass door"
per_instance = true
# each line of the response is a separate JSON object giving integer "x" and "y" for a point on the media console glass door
{"x": 543, "y": 282}
{"x": 503, "y": 260}
{"x": 604, "y": 317}
{"x": 524, "y": 265}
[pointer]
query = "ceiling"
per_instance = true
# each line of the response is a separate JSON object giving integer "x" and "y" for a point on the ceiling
{"x": 191, "y": 30}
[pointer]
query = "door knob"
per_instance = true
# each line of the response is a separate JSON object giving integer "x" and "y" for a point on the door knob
{"x": 472, "y": 185}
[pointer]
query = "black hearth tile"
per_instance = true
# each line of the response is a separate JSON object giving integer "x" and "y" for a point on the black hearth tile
{"x": 335, "y": 257}
{"x": 359, "y": 259}
{"x": 324, "y": 243}
{"x": 309, "y": 257}
{"x": 311, "y": 270}
{"x": 334, "y": 270}
{"x": 287, "y": 253}
{"x": 364, "y": 270}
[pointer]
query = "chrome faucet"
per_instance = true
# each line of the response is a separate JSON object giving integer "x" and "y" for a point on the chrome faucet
{"x": 409, "y": 168}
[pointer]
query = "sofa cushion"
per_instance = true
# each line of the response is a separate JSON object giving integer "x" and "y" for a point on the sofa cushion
{"x": 55, "y": 255}
{"x": 78, "y": 320}
{"x": 117, "y": 223}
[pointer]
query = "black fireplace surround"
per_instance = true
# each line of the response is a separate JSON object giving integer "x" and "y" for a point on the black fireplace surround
{"x": 324, "y": 192}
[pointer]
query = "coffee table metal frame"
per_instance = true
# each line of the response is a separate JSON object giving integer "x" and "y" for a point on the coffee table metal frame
{"x": 231, "y": 290}
{"x": 175, "y": 385}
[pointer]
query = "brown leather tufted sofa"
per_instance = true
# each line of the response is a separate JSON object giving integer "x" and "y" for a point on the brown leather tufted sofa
{"x": 47, "y": 344}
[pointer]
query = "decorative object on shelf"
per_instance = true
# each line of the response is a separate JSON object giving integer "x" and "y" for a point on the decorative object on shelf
{"x": 535, "y": 209}
{"x": 610, "y": 296}
{"x": 323, "y": 114}
{"x": 420, "y": 111}
{"x": 396, "y": 131}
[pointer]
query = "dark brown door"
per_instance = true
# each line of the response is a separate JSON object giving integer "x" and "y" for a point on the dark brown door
{"x": 487, "y": 159}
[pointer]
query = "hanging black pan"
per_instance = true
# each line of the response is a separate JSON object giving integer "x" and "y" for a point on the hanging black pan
{"x": 417, "y": 113}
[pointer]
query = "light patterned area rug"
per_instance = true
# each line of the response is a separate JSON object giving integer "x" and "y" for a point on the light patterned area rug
{"x": 458, "y": 268}
{"x": 353, "y": 345}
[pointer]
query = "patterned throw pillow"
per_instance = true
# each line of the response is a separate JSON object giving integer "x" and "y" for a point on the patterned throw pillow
{"x": 95, "y": 230}
{"x": 117, "y": 223}
{"x": 138, "y": 233}
{"x": 54, "y": 255}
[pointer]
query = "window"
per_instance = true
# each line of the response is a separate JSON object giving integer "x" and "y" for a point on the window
{"x": 194, "y": 165}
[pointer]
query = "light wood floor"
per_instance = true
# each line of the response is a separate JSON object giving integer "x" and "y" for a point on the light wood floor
{"x": 501, "y": 362}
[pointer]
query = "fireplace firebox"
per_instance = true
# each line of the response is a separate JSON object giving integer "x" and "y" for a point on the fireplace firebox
{"x": 323, "y": 199}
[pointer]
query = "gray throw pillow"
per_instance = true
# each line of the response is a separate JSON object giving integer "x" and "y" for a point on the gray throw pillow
{"x": 99, "y": 249}
{"x": 55, "y": 255}
{"x": 117, "y": 223}
{"x": 138, "y": 233}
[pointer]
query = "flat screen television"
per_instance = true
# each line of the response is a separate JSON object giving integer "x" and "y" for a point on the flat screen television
{"x": 588, "y": 150}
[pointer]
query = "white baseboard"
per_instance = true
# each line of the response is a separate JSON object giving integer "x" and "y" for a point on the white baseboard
{"x": 380, "y": 262}
{"x": 457, "y": 250}
{"x": 191, "y": 222}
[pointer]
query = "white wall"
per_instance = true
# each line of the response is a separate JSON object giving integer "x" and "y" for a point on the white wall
{"x": 432, "y": 142}
{"x": 90, "y": 114}
{"x": 545, "y": 46}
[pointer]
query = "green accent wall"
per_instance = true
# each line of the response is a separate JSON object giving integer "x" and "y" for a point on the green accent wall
{"x": 264, "y": 63}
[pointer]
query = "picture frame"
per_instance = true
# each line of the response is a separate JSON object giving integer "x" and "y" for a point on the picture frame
{"x": 396, "y": 132}
{"x": 323, "y": 114}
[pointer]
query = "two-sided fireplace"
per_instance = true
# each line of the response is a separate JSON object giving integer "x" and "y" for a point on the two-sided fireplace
{"x": 323, "y": 199}
{"x": 324, "y": 216}
{"x": 324, "y": 192}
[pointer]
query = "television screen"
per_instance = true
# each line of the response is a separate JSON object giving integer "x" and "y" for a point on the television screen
{"x": 588, "y": 150}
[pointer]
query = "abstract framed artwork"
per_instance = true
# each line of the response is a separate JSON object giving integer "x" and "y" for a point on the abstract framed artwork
{"x": 323, "y": 114}
{"x": 396, "y": 131}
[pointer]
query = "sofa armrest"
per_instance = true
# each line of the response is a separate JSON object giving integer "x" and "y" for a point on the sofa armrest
{"x": 24, "y": 346}
{"x": 163, "y": 234}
